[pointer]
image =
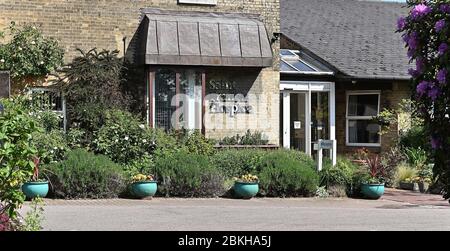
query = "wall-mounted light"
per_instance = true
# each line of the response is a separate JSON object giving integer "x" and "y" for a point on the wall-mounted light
{"x": 276, "y": 36}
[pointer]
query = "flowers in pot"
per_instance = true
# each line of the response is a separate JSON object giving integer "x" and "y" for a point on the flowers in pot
{"x": 373, "y": 186}
{"x": 247, "y": 186}
{"x": 143, "y": 185}
{"x": 36, "y": 187}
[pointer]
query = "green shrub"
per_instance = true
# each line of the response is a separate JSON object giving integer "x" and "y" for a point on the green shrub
{"x": 195, "y": 142}
{"x": 414, "y": 138}
{"x": 16, "y": 153}
{"x": 186, "y": 174}
{"x": 76, "y": 138}
{"x": 123, "y": 137}
{"x": 287, "y": 173}
{"x": 52, "y": 146}
{"x": 341, "y": 174}
{"x": 92, "y": 85}
{"x": 85, "y": 175}
{"x": 236, "y": 162}
{"x": 249, "y": 138}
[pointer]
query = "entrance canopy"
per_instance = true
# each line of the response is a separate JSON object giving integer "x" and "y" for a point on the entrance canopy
{"x": 205, "y": 39}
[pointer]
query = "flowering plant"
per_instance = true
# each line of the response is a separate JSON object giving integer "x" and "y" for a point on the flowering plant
{"x": 29, "y": 53}
{"x": 426, "y": 32}
{"x": 142, "y": 177}
{"x": 247, "y": 178}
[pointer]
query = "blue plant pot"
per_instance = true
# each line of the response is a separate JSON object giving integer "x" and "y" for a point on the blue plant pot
{"x": 372, "y": 191}
{"x": 144, "y": 188}
{"x": 35, "y": 189}
{"x": 246, "y": 190}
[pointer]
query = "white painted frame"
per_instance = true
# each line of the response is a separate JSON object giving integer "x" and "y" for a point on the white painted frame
{"x": 347, "y": 117}
{"x": 287, "y": 87}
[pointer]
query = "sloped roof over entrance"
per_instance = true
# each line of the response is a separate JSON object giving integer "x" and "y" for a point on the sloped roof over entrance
{"x": 206, "y": 39}
{"x": 356, "y": 37}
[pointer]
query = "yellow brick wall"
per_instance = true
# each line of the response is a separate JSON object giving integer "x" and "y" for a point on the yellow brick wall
{"x": 103, "y": 24}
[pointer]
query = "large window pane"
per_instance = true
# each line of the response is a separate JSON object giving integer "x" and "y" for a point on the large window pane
{"x": 164, "y": 92}
{"x": 363, "y": 105}
{"x": 363, "y": 131}
{"x": 191, "y": 99}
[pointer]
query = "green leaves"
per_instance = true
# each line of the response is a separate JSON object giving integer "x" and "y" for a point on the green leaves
{"x": 29, "y": 53}
{"x": 16, "y": 152}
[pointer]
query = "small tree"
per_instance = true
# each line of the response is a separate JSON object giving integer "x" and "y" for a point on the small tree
{"x": 426, "y": 32}
{"x": 29, "y": 55}
{"x": 92, "y": 84}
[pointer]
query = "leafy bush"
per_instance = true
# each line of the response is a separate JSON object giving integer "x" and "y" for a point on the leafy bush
{"x": 85, "y": 175}
{"x": 414, "y": 138}
{"x": 92, "y": 84}
{"x": 194, "y": 142}
{"x": 187, "y": 175}
{"x": 29, "y": 53}
{"x": 16, "y": 153}
{"x": 52, "y": 146}
{"x": 417, "y": 157}
{"x": 235, "y": 162}
{"x": 249, "y": 138}
{"x": 338, "y": 177}
{"x": 123, "y": 137}
{"x": 76, "y": 138}
{"x": 287, "y": 173}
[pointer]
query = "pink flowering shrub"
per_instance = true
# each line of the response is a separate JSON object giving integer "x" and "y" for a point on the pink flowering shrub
{"x": 426, "y": 32}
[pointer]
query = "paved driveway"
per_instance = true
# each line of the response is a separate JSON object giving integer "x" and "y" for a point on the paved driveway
{"x": 254, "y": 214}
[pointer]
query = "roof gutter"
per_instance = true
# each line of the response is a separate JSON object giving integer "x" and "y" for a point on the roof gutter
{"x": 373, "y": 77}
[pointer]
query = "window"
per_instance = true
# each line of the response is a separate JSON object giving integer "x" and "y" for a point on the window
{"x": 180, "y": 108}
{"x": 361, "y": 108}
{"x": 45, "y": 98}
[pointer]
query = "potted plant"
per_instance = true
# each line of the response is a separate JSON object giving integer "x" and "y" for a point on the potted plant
{"x": 36, "y": 187}
{"x": 143, "y": 185}
{"x": 409, "y": 184}
{"x": 247, "y": 186}
{"x": 373, "y": 186}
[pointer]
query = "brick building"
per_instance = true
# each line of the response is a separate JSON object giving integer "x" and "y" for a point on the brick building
{"x": 190, "y": 47}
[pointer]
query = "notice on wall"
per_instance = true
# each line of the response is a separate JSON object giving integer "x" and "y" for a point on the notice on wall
{"x": 4, "y": 85}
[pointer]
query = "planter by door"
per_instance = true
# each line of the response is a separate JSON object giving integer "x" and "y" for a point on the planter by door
{"x": 246, "y": 190}
{"x": 35, "y": 189}
{"x": 144, "y": 188}
{"x": 372, "y": 191}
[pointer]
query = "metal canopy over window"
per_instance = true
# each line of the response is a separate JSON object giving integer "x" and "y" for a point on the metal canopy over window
{"x": 205, "y": 39}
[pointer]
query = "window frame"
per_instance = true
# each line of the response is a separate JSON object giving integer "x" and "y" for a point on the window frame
{"x": 348, "y": 118}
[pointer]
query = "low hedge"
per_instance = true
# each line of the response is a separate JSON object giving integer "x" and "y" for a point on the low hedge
{"x": 85, "y": 175}
{"x": 185, "y": 174}
{"x": 286, "y": 173}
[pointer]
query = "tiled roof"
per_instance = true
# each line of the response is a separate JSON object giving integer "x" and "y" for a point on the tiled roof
{"x": 356, "y": 37}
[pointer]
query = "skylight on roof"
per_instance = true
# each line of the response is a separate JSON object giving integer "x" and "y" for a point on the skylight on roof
{"x": 292, "y": 62}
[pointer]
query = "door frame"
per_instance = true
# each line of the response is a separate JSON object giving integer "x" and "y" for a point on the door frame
{"x": 307, "y": 87}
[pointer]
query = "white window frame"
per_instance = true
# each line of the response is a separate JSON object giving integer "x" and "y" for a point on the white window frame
{"x": 63, "y": 111}
{"x": 347, "y": 117}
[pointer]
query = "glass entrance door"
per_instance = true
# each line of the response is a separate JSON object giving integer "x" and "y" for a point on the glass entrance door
{"x": 320, "y": 120}
{"x": 298, "y": 121}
